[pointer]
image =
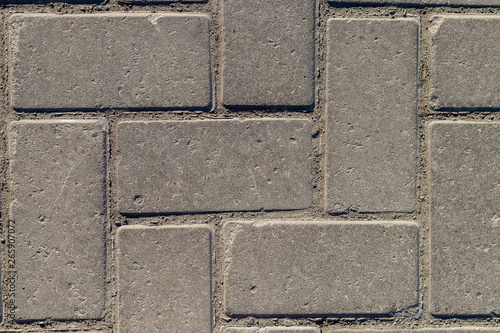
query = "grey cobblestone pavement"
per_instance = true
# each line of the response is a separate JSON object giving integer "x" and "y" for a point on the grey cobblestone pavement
{"x": 250, "y": 166}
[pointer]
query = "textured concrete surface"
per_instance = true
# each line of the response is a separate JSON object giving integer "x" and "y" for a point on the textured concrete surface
{"x": 59, "y": 207}
{"x": 465, "y": 222}
{"x": 164, "y": 276}
{"x": 210, "y": 166}
{"x": 268, "y": 52}
{"x": 421, "y": 330}
{"x": 144, "y": 2}
{"x": 464, "y": 64}
{"x": 270, "y": 330}
{"x": 371, "y": 84}
{"x": 136, "y": 130}
{"x": 147, "y": 61}
{"x": 422, "y": 2}
{"x": 331, "y": 268}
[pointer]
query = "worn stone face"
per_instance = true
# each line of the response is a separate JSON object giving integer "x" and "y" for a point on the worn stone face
{"x": 58, "y": 184}
{"x": 240, "y": 330}
{"x": 421, "y": 3}
{"x": 141, "y": 2}
{"x": 302, "y": 329}
{"x": 463, "y": 329}
{"x": 465, "y": 66}
{"x": 268, "y": 53}
{"x": 146, "y": 61}
{"x": 371, "y": 115}
{"x": 164, "y": 276}
{"x": 285, "y": 268}
{"x": 209, "y": 166}
{"x": 465, "y": 218}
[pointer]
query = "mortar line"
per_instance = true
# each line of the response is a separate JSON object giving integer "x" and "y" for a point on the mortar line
{"x": 114, "y": 219}
{"x": 423, "y": 180}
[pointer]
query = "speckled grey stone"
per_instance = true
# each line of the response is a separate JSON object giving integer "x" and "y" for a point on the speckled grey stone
{"x": 58, "y": 183}
{"x": 465, "y": 329}
{"x": 164, "y": 277}
{"x": 301, "y": 329}
{"x": 214, "y": 165}
{"x": 465, "y": 218}
{"x": 465, "y": 64}
{"x": 298, "y": 268}
{"x": 139, "y": 60}
{"x": 421, "y": 3}
{"x": 268, "y": 53}
{"x": 240, "y": 330}
{"x": 371, "y": 115}
{"x": 139, "y": 2}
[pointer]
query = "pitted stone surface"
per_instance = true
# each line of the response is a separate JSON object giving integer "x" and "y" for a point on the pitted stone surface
{"x": 421, "y": 3}
{"x": 145, "y": 2}
{"x": 463, "y": 329}
{"x": 219, "y": 165}
{"x": 302, "y": 329}
{"x": 465, "y": 218}
{"x": 465, "y": 66}
{"x": 371, "y": 115}
{"x": 268, "y": 53}
{"x": 164, "y": 276}
{"x": 291, "y": 330}
{"x": 277, "y": 268}
{"x": 58, "y": 183}
{"x": 146, "y": 61}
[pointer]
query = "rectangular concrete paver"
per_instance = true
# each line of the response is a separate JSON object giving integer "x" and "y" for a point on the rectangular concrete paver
{"x": 164, "y": 277}
{"x": 301, "y": 329}
{"x": 421, "y": 3}
{"x": 47, "y": 2}
{"x": 291, "y": 330}
{"x": 286, "y": 268}
{"x": 465, "y": 218}
{"x": 464, "y": 329}
{"x": 58, "y": 183}
{"x": 268, "y": 53}
{"x": 465, "y": 64}
{"x": 371, "y": 115}
{"x": 165, "y": 1}
{"x": 146, "y": 61}
{"x": 219, "y": 165}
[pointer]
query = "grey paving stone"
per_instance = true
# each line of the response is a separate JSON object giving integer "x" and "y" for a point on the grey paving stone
{"x": 301, "y": 329}
{"x": 268, "y": 52}
{"x": 219, "y": 165}
{"x": 46, "y": 2}
{"x": 284, "y": 268}
{"x": 465, "y": 222}
{"x": 371, "y": 115}
{"x": 146, "y": 61}
{"x": 58, "y": 183}
{"x": 465, "y": 65}
{"x": 164, "y": 1}
{"x": 422, "y": 330}
{"x": 164, "y": 276}
{"x": 291, "y": 330}
{"x": 425, "y": 2}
